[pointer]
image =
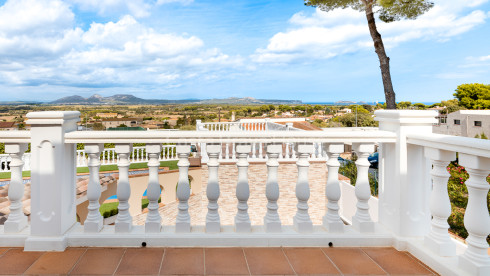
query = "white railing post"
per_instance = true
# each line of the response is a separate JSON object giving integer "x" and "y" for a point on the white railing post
{"x": 212, "y": 190}
{"x": 16, "y": 220}
{"x": 183, "y": 222}
{"x": 124, "y": 221}
{"x": 153, "y": 222}
{"x": 475, "y": 259}
{"x": 53, "y": 179}
{"x": 302, "y": 221}
{"x": 94, "y": 221}
{"x": 362, "y": 220}
{"x": 404, "y": 173}
{"x": 438, "y": 239}
{"x": 331, "y": 220}
{"x": 242, "y": 219}
{"x": 272, "y": 222}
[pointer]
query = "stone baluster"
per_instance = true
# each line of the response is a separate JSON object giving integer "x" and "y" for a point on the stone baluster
{"x": 285, "y": 152}
{"x": 293, "y": 153}
{"x": 227, "y": 150}
{"x": 212, "y": 190}
{"x": 233, "y": 150}
{"x": 242, "y": 219}
{"x": 27, "y": 162}
{"x": 94, "y": 221}
{"x": 272, "y": 222}
{"x": 124, "y": 221}
{"x": 302, "y": 221}
{"x": 438, "y": 239}
{"x": 261, "y": 150}
{"x": 153, "y": 222}
{"x": 362, "y": 219}
{"x": 475, "y": 259}
{"x": 254, "y": 151}
{"x": 331, "y": 220}
{"x": 16, "y": 220}
{"x": 183, "y": 222}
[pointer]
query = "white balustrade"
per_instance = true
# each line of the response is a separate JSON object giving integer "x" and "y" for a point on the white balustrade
{"x": 183, "y": 222}
{"x": 94, "y": 221}
{"x": 302, "y": 221}
{"x": 124, "y": 221}
{"x": 272, "y": 222}
{"x": 476, "y": 219}
{"x": 362, "y": 219}
{"x": 153, "y": 222}
{"x": 438, "y": 239}
{"x": 242, "y": 219}
{"x": 16, "y": 220}
{"x": 332, "y": 221}
{"x": 403, "y": 215}
{"x": 212, "y": 190}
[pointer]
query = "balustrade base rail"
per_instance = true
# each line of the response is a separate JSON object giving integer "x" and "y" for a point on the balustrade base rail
{"x": 198, "y": 237}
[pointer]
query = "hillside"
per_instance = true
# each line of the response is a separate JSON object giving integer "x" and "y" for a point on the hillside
{"x": 127, "y": 99}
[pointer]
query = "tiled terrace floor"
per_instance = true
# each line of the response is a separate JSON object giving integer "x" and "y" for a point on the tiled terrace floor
{"x": 212, "y": 261}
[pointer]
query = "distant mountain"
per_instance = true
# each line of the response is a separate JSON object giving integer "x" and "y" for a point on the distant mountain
{"x": 127, "y": 99}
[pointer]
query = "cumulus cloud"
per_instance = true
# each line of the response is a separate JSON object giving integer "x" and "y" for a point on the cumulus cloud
{"x": 136, "y": 8}
{"x": 120, "y": 53}
{"x": 323, "y": 35}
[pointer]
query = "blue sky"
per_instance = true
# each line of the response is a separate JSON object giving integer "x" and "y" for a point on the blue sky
{"x": 278, "y": 49}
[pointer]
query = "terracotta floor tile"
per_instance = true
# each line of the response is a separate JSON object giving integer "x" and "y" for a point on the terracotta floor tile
{"x": 310, "y": 261}
{"x": 141, "y": 261}
{"x": 396, "y": 262}
{"x": 56, "y": 262}
{"x": 353, "y": 261}
{"x": 225, "y": 261}
{"x": 3, "y": 250}
{"x": 99, "y": 261}
{"x": 267, "y": 261}
{"x": 183, "y": 261}
{"x": 16, "y": 261}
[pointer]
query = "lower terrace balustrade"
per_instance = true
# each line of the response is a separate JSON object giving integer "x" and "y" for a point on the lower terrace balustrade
{"x": 413, "y": 204}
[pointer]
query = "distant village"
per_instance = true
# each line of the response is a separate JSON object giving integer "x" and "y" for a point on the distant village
{"x": 452, "y": 119}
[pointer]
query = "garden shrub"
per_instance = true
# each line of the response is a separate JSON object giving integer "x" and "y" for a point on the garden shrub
{"x": 458, "y": 195}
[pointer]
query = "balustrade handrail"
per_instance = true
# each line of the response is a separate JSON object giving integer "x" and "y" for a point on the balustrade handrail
{"x": 20, "y": 136}
{"x": 228, "y": 136}
{"x": 478, "y": 147}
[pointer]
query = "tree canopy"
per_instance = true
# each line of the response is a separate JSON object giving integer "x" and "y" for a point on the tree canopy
{"x": 388, "y": 10}
{"x": 473, "y": 95}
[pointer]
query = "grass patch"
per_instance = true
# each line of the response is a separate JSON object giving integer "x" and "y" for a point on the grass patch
{"x": 110, "y": 209}
{"x": 104, "y": 168}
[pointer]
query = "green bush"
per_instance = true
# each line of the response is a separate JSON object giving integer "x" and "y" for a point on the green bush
{"x": 349, "y": 170}
{"x": 458, "y": 195}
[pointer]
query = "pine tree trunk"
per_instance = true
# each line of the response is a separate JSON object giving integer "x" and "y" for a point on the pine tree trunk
{"x": 384, "y": 60}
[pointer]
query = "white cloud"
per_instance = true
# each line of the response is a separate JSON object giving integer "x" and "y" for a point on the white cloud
{"x": 136, "y": 8}
{"x": 183, "y": 2}
{"x": 324, "y": 35}
{"x": 36, "y": 28}
{"x": 121, "y": 53}
{"x": 484, "y": 58}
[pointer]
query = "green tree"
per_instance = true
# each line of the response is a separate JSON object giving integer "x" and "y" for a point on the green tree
{"x": 389, "y": 11}
{"x": 363, "y": 120}
{"x": 473, "y": 95}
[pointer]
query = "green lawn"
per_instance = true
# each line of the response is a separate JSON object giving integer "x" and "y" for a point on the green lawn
{"x": 104, "y": 168}
{"x": 110, "y": 209}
